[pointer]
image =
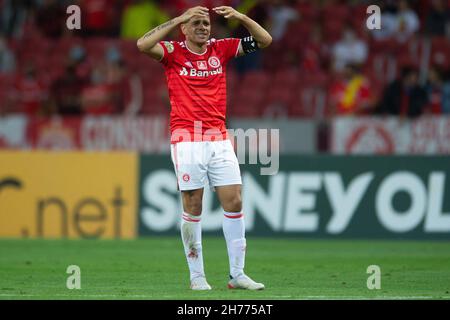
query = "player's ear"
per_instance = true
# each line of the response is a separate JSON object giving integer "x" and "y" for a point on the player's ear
{"x": 183, "y": 28}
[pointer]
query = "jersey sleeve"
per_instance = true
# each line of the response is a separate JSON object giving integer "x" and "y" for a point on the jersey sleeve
{"x": 169, "y": 51}
{"x": 229, "y": 47}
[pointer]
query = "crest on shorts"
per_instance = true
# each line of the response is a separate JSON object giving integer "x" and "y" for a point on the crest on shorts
{"x": 202, "y": 65}
{"x": 214, "y": 62}
{"x": 186, "y": 177}
{"x": 169, "y": 46}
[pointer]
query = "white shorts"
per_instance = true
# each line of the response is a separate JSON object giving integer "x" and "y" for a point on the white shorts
{"x": 198, "y": 164}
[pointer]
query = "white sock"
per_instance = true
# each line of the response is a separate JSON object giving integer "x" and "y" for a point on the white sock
{"x": 234, "y": 232}
{"x": 191, "y": 234}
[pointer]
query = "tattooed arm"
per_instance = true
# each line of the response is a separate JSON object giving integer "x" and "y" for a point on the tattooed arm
{"x": 148, "y": 43}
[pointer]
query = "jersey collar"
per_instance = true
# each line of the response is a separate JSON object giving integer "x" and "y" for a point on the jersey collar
{"x": 198, "y": 54}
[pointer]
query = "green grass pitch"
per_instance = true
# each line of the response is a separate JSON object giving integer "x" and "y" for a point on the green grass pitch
{"x": 155, "y": 268}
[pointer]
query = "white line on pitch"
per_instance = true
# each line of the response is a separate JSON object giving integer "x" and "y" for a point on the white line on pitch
{"x": 168, "y": 297}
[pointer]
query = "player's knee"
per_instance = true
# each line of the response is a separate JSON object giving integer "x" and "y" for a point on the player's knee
{"x": 193, "y": 208}
{"x": 192, "y": 203}
{"x": 233, "y": 205}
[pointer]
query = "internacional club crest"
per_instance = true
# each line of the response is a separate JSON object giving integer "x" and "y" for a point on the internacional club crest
{"x": 214, "y": 62}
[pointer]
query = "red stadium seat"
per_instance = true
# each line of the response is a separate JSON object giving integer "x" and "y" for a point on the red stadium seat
{"x": 357, "y": 21}
{"x": 318, "y": 79}
{"x": 155, "y": 108}
{"x": 278, "y": 100}
{"x": 336, "y": 11}
{"x": 6, "y": 83}
{"x": 381, "y": 67}
{"x": 280, "y": 94}
{"x": 358, "y": 16}
{"x": 246, "y": 103}
{"x": 405, "y": 59}
{"x": 297, "y": 33}
{"x": 155, "y": 99}
{"x": 244, "y": 109}
{"x": 309, "y": 102}
{"x": 255, "y": 80}
{"x": 65, "y": 43}
{"x": 273, "y": 57}
{"x": 96, "y": 48}
{"x": 440, "y": 52}
{"x": 154, "y": 75}
{"x": 387, "y": 46}
{"x": 147, "y": 68}
{"x": 308, "y": 10}
{"x": 128, "y": 46}
{"x": 287, "y": 78}
{"x": 376, "y": 87}
{"x": 232, "y": 80}
{"x": 333, "y": 29}
{"x": 232, "y": 85}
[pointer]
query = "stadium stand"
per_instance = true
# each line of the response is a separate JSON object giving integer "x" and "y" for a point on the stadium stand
{"x": 298, "y": 67}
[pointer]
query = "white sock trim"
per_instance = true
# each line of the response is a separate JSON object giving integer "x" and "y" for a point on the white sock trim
{"x": 233, "y": 215}
{"x": 190, "y": 217}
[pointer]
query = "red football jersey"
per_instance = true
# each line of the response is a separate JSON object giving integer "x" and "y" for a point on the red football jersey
{"x": 197, "y": 88}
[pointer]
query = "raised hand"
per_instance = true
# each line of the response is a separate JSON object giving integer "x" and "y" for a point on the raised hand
{"x": 228, "y": 12}
{"x": 195, "y": 11}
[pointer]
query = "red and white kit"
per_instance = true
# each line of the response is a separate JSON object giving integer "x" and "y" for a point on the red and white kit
{"x": 200, "y": 150}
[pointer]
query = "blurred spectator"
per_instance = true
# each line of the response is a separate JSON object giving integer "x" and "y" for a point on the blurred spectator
{"x": 7, "y": 58}
{"x": 101, "y": 17}
{"x": 66, "y": 92}
{"x": 406, "y": 22}
{"x": 77, "y": 54}
{"x": 398, "y": 21}
{"x": 257, "y": 10}
{"x": 316, "y": 52}
{"x": 404, "y": 96}
{"x": 126, "y": 86}
{"x": 129, "y": 85}
{"x": 79, "y": 59}
{"x": 50, "y": 18}
{"x": 13, "y": 16}
{"x": 350, "y": 93}
{"x": 281, "y": 14}
{"x": 112, "y": 88}
{"x": 276, "y": 109}
{"x": 438, "y": 19}
{"x": 388, "y": 22}
{"x": 254, "y": 9}
{"x": 446, "y": 94}
{"x": 29, "y": 94}
{"x": 97, "y": 98}
{"x": 349, "y": 50}
{"x": 140, "y": 17}
{"x": 438, "y": 88}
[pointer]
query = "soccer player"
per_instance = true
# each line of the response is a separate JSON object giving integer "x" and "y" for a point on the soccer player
{"x": 201, "y": 152}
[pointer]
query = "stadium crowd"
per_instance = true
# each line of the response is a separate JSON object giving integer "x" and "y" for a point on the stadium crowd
{"x": 324, "y": 60}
